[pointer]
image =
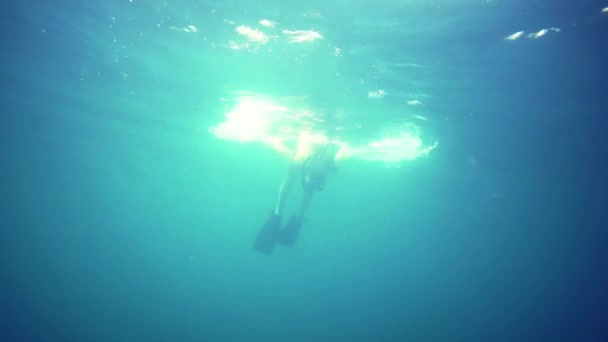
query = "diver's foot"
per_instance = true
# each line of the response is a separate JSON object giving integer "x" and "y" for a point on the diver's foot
{"x": 288, "y": 236}
{"x": 267, "y": 236}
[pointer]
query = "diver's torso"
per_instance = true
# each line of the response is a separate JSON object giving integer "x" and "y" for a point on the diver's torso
{"x": 315, "y": 170}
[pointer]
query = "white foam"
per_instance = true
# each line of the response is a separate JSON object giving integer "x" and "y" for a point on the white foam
{"x": 376, "y": 94}
{"x": 252, "y": 35}
{"x": 301, "y": 36}
{"x": 515, "y": 35}
{"x": 267, "y": 23}
{"x": 543, "y": 32}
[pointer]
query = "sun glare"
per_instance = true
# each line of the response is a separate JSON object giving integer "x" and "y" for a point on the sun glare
{"x": 258, "y": 119}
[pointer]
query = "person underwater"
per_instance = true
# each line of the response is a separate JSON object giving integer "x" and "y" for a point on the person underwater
{"x": 313, "y": 160}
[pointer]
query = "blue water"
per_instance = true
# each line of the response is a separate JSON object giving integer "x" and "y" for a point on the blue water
{"x": 124, "y": 219}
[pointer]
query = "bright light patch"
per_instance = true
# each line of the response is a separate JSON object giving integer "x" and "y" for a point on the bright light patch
{"x": 542, "y": 32}
{"x": 301, "y": 36}
{"x": 267, "y": 23}
{"x": 258, "y": 119}
{"x": 414, "y": 103}
{"x": 419, "y": 117}
{"x": 605, "y": 10}
{"x": 252, "y": 35}
{"x": 533, "y": 35}
{"x": 250, "y": 120}
{"x": 394, "y": 149}
{"x": 189, "y": 29}
{"x": 515, "y": 35}
{"x": 234, "y": 46}
{"x": 376, "y": 94}
{"x": 313, "y": 15}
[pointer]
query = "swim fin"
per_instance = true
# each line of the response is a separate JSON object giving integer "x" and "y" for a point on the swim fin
{"x": 288, "y": 236}
{"x": 268, "y": 235}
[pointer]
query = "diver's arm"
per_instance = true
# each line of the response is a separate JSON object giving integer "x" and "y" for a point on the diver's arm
{"x": 278, "y": 145}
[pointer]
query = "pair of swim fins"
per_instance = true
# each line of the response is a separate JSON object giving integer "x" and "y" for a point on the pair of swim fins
{"x": 271, "y": 233}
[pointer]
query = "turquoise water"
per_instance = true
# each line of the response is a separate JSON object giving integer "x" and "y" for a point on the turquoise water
{"x": 127, "y": 218}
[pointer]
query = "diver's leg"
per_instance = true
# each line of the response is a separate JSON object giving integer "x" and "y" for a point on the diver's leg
{"x": 305, "y": 203}
{"x": 285, "y": 188}
{"x": 288, "y": 236}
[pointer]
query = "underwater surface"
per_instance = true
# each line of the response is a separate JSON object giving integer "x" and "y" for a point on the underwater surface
{"x": 141, "y": 153}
